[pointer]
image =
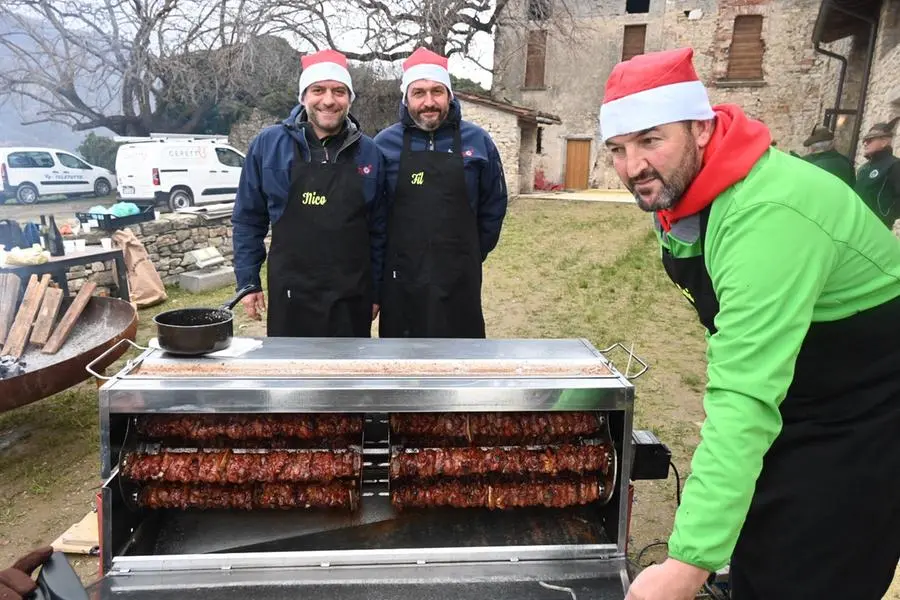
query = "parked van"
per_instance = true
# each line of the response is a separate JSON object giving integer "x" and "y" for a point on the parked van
{"x": 178, "y": 171}
{"x": 29, "y": 173}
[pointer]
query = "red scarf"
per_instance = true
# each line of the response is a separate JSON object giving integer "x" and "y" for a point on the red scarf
{"x": 737, "y": 143}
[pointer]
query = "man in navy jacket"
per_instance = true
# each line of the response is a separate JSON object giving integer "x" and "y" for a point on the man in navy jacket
{"x": 447, "y": 201}
{"x": 321, "y": 185}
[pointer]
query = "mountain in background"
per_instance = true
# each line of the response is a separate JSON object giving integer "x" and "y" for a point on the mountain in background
{"x": 53, "y": 135}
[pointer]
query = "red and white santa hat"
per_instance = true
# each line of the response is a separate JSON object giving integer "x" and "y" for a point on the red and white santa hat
{"x": 325, "y": 65}
{"x": 425, "y": 64}
{"x": 653, "y": 89}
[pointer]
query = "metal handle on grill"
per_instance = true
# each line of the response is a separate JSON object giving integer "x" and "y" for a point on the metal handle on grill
{"x": 631, "y": 356}
{"x": 90, "y": 367}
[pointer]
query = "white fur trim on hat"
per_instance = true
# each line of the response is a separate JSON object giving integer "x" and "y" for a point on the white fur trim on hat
{"x": 425, "y": 71}
{"x": 325, "y": 71}
{"x": 685, "y": 101}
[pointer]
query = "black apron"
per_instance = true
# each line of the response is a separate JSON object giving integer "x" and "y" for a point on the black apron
{"x": 320, "y": 272}
{"x": 823, "y": 522}
{"x": 432, "y": 275}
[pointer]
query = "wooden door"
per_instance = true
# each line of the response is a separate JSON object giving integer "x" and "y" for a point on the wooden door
{"x": 578, "y": 162}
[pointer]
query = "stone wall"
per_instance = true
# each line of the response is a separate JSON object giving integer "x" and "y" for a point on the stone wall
{"x": 166, "y": 241}
{"x": 798, "y": 82}
{"x": 243, "y": 132}
{"x": 883, "y": 97}
{"x": 505, "y": 131}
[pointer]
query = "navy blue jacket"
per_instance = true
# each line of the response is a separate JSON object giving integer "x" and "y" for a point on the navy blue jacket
{"x": 484, "y": 171}
{"x": 263, "y": 192}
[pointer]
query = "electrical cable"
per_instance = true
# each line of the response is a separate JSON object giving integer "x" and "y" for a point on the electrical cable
{"x": 677, "y": 484}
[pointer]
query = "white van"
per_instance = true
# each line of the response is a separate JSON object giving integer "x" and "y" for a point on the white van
{"x": 29, "y": 173}
{"x": 178, "y": 171}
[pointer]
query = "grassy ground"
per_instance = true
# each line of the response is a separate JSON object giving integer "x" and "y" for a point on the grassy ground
{"x": 561, "y": 270}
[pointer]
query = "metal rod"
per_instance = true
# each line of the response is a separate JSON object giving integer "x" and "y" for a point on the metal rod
{"x": 867, "y": 71}
{"x": 840, "y": 87}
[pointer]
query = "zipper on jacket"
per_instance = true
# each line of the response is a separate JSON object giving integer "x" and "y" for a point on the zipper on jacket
{"x": 431, "y": 141}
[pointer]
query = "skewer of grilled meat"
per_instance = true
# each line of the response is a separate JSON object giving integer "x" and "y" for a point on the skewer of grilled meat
{"x": 249, "y": 427}
{"x": 335, "y": 494}
{"x": 243, "y": 467}
{"x": 492, "y": 495}
{"x": 461, "y": 462}
{"x": 495, "y": 428}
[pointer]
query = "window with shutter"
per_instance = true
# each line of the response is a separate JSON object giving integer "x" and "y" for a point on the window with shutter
{"x": 745, "y": 58}
{"x": 535, "y": 59}
{"x": 633, "y": 41}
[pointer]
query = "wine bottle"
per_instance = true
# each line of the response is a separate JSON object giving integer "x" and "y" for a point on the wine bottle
{"x": 45, "y": 238}
{"x": 56, "y": 240}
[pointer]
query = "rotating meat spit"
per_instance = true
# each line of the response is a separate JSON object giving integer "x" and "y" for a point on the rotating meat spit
{"x": 511, "y": 451}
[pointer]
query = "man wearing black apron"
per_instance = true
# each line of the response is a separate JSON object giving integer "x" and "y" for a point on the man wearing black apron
{"x": 320, "y": 183}
{"x": 447, "y": 203}
{"x": 794, "y": 482}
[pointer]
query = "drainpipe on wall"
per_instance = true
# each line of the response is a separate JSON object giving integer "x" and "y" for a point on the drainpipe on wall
{"x": 867, "y": 71}
{"x": 840, "y": 86}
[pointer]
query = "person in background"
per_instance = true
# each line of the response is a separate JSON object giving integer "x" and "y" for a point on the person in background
{"x": 878, "y": 180}
{"x": 320, "y": 183}
{"x": 447, "y": 201}
{"x": 794, "y": 481}
{"x": 822, "y": 154}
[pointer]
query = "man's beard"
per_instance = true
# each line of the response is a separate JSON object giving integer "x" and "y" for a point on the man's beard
{"x": 673, "y": 188}
{"x": 329, "y": 129}
{"x": 425, "y": 126}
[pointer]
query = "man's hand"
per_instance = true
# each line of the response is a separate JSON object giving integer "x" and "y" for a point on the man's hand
{"x": 375, "y": 309}
{"x": 254, "y": 305}
{"x": 672, "y": 580}
{"x": 16, "y": 582}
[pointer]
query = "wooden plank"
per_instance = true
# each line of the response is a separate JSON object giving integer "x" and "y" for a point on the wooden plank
{"x": 65, "y": 326}
{"x": 46, "y": 316}
{"x": 31, "y": 303}
{"x": 9, "y": 298}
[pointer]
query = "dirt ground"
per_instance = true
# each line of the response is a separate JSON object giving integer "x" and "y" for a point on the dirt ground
{"x": 562, "y": 269}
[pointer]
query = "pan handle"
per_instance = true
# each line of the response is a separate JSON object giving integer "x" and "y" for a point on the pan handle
{"x": 90, "y": 367}
{"x": 631, "y": 356}
{"x": 247, "y": 289}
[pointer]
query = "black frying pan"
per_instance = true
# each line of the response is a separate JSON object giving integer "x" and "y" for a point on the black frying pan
{"x": 195, "y": 331}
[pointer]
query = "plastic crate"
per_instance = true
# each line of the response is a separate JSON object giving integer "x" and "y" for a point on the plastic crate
{"x": 111, "y": 222}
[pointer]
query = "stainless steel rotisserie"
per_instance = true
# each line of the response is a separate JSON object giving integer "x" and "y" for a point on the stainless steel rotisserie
{"x": 346, "y": 468}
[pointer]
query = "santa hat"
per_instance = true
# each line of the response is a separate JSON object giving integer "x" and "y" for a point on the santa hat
{"x": 425, "y": 64}
{"x": 325, "y": 65}
{"x": 653, "y": 89}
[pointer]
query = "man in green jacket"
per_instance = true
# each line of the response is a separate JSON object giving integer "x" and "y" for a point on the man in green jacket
{"x": 795, "y": 480}
{"x": 878, "y": 181}
{"x": 823, "y": 155}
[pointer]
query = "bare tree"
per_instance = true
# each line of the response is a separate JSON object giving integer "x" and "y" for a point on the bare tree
{"x": 135, "y": 66}
{"x": 388, "y": 30}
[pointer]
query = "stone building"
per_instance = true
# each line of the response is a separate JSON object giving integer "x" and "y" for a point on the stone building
{"x": 868, "y": 34}
{"x": 514, "y": 130}
{"x": 555, "y": 55}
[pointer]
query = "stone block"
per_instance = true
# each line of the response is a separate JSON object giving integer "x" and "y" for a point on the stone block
{"x": 96, "y": 267}
{"x": 103, "y": 278}
{"x": 206, "y": 279}
{"x": 166, "y": 240}
{"x": 156, "y": 227}
{"x": 182, "y": 234}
